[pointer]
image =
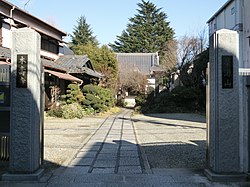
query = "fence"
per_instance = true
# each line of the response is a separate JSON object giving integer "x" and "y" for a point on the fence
{"x": 4, "y": 111}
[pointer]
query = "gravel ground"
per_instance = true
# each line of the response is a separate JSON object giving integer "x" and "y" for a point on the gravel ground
{"x": 63, "y": 138}
{"x": 172, "y": 140}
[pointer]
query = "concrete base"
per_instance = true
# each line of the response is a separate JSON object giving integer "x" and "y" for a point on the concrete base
{"x": 225, "y": 177}
{"x": 23, "y": 177}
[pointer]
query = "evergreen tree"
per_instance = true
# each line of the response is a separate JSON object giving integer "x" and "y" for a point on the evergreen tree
{"x": 147, "y": 31}
{"x": 82, "y": 33}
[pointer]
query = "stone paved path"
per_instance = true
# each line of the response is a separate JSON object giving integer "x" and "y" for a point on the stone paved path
{"x": 111, "y": 157}
{"x": 111, "y": 149}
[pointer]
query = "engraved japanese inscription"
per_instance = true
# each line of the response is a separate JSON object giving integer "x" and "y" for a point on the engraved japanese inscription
{"x": 22, "y": 71}
{"x": 227, "y": 71}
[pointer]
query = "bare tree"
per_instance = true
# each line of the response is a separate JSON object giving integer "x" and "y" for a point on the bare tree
{"x": 169, "y": 57}
{"x": 132, "y": 80}
{"x": 189, "y": 48}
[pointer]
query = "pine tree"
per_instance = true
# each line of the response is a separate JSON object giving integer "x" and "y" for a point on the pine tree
{"x": 82, "y": 33}
{"x": 147, "y": 31}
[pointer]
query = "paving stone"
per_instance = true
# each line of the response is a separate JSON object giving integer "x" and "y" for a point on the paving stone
{"x": 129, "y": 153}
{"x": 77, "y": 170}
{"x": 124, "y": 137}
{"x": 90, "y": 148}
{"x": 129, "y": 148}
{"x": 109, "y": 150}
{"x": 128, "y": 161}
{"x": 110, "y": 146}
{"x": 129, "y": 169}
{"x": 82, "y": 162}
{"x": 100, "y": 177}
{"x": 110, "y": 141}
{"x": 103, "y": 170}
{"x": 107, "y": 156}
{"x": 128, "y": 133}
{"x": 126, "y": 143}
{"x": 87, "y": 154}
{"x": 105, "y": 163}
{"x": 94, "y": 143}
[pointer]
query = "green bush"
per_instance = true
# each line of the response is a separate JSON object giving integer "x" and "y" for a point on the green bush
{"x": 98, "y": 98}
{"x": 55, "y": 112}
{"x": 180, "y": 99}
{"x": 77, "y": 104}
{"x": 73, "y": 110}
{"x": 70, "y": 111}
{"x": 74, "y": 94}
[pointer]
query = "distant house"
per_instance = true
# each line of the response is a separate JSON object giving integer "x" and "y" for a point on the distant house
{"x": 145, "y": 63}
{"x": 61, "y": 66}
{"x": 79, "y": 66}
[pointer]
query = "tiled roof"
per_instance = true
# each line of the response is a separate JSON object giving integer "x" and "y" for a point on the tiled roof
{"x": 92, "y": 72}
{"x": 25, "y": 13}
{"x": 137, "y": 61}
{"x": 72, "y": 63}
{"x": 52, "y": 64}
{"x": 66, "y": 63}
{"x": 5, "y": 52}
{"x": 64, "y": 76}
{"x": 77, "y": 64}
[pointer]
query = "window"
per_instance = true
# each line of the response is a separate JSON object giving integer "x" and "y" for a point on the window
{"x": 50, "y": 45}
{"x": 232, "y": 10}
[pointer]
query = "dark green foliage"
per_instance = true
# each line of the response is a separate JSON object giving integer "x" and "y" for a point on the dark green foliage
{"x": 73, "y": 95}
{"x": 181, "y": 99}
{"x": 103, "y": 60}
{"x": 147, "y": 31}
{"x": 82, "y": 33}
{"x": 196, "y": 76}
{"x": 98, "y": 98}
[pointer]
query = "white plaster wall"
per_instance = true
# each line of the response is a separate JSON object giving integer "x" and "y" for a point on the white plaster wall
{"x": 227, "y": 19}
{"x": 230, "y": 16}
{"x": 49, "y": 54}
{"x": 6, "y": 34}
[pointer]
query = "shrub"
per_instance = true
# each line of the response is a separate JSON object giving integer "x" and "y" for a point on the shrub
{"x": 181, "y": 99}
{"x": 73, "y": 95}
{"x": 55, "y": 112}
{"x": 70, "y": 111}
{"x": 98, "y": 98}
{"x": 73, "y": 110}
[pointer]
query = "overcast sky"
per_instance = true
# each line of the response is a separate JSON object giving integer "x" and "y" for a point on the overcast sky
{"x": 109, "y": 17}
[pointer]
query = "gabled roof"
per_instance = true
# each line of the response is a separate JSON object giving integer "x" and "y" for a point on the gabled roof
{"x": 5, "y": 52}
{"x": 67, "y": 63}
{"x": 72, "y": 63}
{"x": 92, "y": 72}
{"x": 77, "y": 64}
{"x": 141, "y": 62}
{"x": 51, "y": 64}
{"x": 20, "y": 18}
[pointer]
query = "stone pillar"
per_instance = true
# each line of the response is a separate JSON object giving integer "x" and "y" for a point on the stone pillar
{"x": 223, "y": 121}
{"x": 25, "y": 131}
